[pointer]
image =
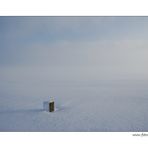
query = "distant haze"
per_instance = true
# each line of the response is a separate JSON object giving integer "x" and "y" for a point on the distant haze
{"x": 73, "y": 48}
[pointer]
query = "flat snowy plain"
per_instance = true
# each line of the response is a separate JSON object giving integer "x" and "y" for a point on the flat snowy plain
{"x": 96, "y": 106}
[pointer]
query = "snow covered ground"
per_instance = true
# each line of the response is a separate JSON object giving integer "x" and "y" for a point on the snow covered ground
{"x": 105, "y": 106}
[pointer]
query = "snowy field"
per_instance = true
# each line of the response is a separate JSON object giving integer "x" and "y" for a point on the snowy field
{"x": 104, "y": 106}
{"x": 94, "y": 67}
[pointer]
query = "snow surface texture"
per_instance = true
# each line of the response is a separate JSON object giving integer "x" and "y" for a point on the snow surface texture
{"x": 105, "y": 106}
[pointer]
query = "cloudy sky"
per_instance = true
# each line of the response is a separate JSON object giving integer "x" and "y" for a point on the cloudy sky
{"x": 73, "y": 48}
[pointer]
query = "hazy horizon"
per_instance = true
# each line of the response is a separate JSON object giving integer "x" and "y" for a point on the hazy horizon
{"x": 73, "y": 48}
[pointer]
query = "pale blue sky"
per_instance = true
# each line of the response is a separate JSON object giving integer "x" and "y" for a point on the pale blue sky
{"x": 74, "y": 47}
